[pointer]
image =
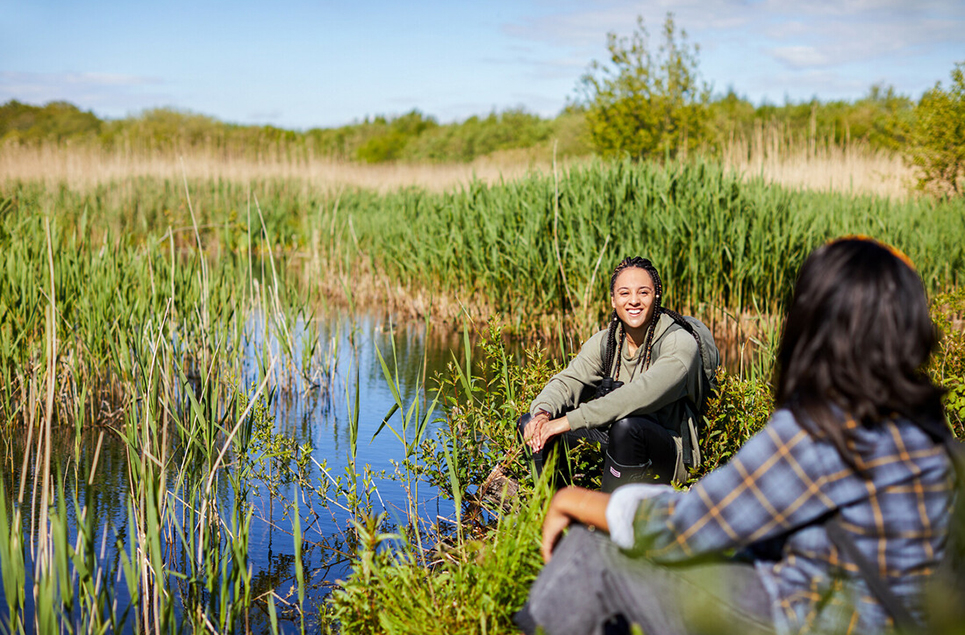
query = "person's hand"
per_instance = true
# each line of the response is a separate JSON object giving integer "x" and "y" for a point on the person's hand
{"x": 545, "y": 431}
{"x": 534, "y": 425}
{"x": 572, "y": 505}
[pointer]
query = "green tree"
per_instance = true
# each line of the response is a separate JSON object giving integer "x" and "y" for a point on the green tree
{"x": 938, "y": 138}
{"x": 646, "y": 104}
{"x": 388, "y": 139}
{"x": 56, "y": 121}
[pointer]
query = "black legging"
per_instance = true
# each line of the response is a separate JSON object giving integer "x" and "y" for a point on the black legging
{"x": 630, "y": 442}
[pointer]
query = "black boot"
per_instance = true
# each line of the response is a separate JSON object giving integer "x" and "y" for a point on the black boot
{"x": 615, "y": 474}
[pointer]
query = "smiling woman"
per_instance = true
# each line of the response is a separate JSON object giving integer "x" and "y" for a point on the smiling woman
{"x": 632, "y": 388}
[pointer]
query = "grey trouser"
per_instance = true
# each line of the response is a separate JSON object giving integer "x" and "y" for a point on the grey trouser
{"x": 590, "y": 582}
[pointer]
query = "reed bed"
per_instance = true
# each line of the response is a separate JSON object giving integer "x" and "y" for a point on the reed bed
{"x": 84, "y": 166}
{"x": 125, "y": 307}
{"x": 770, "y": 152}
{"x": 720, "y": 241}
{"x": 774, "y": 155}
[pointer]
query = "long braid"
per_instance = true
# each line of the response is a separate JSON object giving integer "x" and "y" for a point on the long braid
{"x": 611, "y": 344}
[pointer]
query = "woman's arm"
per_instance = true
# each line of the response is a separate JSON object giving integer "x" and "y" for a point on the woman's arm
{"x": 562, "y": 392}
{"x": 669, "y": 378}
{"x": 572, "y": 504}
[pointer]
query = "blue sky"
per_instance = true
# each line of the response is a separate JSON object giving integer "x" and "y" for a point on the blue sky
{"x": 301, "y": 64}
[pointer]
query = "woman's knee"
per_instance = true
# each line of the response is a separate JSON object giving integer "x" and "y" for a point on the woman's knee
{"x": 636, "y": 440}
{"x": 579, "y": 562}
{"x": 521, "y": 424}
{"x": 631, "y": 431}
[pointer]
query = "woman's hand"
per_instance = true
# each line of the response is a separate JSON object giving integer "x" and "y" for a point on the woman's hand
{"x": 572, "y": 504}
{"x": 541, "y": 429}
{"x": 532, "y": 428}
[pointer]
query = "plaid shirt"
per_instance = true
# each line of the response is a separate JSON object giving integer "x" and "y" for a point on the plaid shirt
{"x": 781, "y": 486}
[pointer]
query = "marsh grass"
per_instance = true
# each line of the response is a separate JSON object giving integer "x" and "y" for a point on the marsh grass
{"x": 128, "y": 306}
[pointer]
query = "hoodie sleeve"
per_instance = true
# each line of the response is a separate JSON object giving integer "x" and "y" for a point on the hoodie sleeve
{"x": 669, "y": 378}
{"x": 563, "y": 390}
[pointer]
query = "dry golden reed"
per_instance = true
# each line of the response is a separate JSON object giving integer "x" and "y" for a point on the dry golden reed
{"x": 771, "y": 154}
{"x": 851, "y": 168}
{"x": 82, "y": 167}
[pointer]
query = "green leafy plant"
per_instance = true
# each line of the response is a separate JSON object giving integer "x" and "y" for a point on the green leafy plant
{"x": 643, "y": 104}
{"x": 938, "y": 138}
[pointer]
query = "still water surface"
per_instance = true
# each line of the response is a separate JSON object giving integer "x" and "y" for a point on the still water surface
{"x": 316, "y": 415}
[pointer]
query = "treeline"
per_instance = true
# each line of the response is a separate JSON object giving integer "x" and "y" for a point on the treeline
{"x": 413, "y": 136}
{"x": 640, "y": 103}
{"x": 882, "y": 119}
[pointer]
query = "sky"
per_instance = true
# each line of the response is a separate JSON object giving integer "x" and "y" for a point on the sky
{"x": 302, "y": 64}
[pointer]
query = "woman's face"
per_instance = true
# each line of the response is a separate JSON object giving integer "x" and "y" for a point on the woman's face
{"x": 633, "y": 298}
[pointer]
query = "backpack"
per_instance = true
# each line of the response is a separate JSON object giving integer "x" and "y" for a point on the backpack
{"x": 710, "y": 363}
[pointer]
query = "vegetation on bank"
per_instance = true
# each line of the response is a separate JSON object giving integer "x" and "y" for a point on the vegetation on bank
{"x": 125, "y": 304}
{"x": 719, "y": 241}
{"x": 475, "y": 579}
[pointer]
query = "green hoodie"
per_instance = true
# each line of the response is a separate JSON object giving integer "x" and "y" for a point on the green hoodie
{"x": 666, "y": 390}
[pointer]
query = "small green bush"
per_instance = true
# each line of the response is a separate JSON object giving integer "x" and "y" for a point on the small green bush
{"x": 938, "y": 139}
{"x": 738, "y": 411}
{"x": 644, "y": 104}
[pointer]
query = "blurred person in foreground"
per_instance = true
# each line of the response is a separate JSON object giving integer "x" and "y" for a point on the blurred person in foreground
{"x": 856, "y": 442}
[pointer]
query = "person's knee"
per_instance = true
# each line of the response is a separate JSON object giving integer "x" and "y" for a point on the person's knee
{"x": 624, "y": 431}
{"x": 631, "y": 440}
{"x": 521, "y": 424}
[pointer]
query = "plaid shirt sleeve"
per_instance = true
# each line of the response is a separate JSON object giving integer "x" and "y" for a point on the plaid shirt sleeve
{"x": 764, "y": 491}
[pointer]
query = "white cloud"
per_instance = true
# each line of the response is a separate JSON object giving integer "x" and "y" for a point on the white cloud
{"x": 808, "y": 34}
{"x": 114, "y": 94}
{"x": 800, "y": 56}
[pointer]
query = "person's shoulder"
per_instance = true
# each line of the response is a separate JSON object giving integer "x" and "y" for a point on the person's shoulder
{"x": 674, "y": 336}
{"x": 595, "y": 343}
{"x": 596, "y": 338}
{"x": 784, "y": 436}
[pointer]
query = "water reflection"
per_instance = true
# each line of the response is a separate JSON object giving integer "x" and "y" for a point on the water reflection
{"x": 309, "y": 409}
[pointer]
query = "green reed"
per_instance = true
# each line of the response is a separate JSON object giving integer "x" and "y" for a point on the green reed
{"x": 536, "y": 246}
{"x": 127, "y": 305}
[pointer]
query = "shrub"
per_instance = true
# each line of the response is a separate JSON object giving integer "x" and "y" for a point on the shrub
{"x": 938, "y": 139}
{"x": 645, "y": 104}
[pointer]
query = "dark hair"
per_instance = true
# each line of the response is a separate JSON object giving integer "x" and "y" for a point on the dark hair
{"x": 611, "y": 343}
{"x": 856, "y": 338}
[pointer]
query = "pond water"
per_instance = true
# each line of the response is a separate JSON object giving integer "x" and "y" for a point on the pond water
{"x": 308, "y": 409}
{"x": 318, "y": 415}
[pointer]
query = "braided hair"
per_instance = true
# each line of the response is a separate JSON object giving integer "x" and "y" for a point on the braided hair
{"x": 611, "y": 341}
